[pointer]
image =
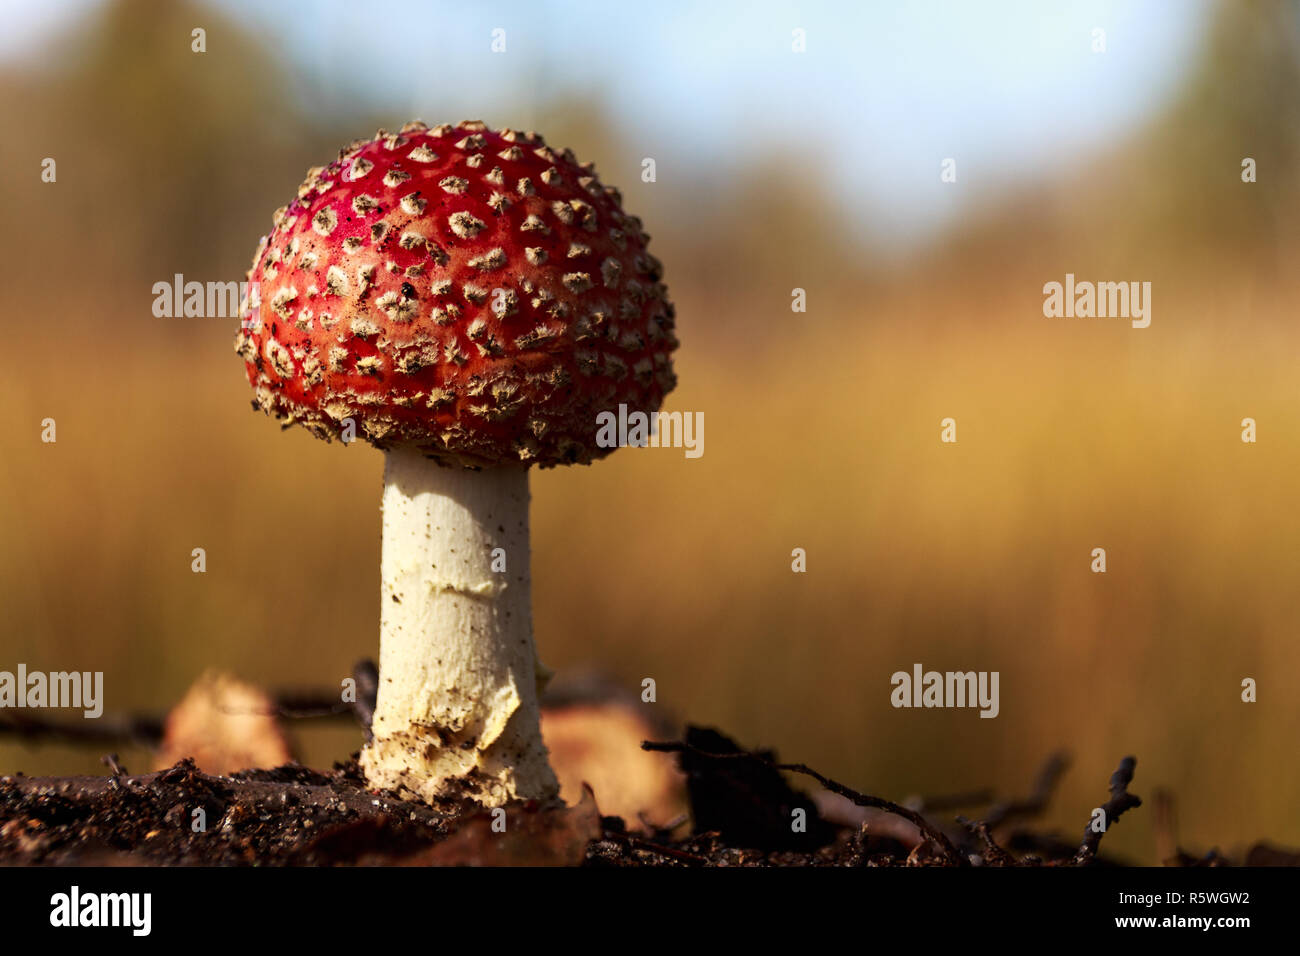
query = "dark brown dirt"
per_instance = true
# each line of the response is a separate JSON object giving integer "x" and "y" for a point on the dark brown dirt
{"x": 287, "y": 816}
{"x": 292, "y": 816}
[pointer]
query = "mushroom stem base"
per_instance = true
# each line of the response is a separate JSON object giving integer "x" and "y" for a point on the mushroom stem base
{"x": 457, "y": 713}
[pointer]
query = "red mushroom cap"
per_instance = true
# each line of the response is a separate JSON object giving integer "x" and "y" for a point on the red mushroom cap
{"x": 470, "y": 292}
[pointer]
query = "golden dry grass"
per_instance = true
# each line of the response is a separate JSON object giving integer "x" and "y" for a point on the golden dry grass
{"x": 974, "y": 556}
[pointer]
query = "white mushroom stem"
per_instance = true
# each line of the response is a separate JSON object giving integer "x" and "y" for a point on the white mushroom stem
{"x": 457, "y": 711}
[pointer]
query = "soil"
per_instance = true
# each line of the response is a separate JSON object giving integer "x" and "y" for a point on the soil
{"x": 742, "y": 804}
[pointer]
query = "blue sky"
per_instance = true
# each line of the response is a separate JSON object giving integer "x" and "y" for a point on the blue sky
{"x": 885, "y": 91}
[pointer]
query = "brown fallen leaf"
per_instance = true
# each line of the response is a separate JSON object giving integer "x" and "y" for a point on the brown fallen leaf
{"x": 518, "y": 836}
{"x": 599, "y": 743}
{"x": 225, "y": 725}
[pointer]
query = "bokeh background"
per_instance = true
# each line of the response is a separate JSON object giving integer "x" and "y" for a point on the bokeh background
{"x": 775, "y": 170}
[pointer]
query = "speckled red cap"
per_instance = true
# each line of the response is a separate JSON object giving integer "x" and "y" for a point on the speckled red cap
{"x": 470, "y": 292}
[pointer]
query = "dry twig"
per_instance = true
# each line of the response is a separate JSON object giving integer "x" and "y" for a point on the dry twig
{"x": 935, "y": 836}
{"x": 1120, "y": 801}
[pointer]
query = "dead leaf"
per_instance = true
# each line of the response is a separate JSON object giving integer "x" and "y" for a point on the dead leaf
{"x": 225, "y": 725}
{"x": 518, "y": 836}
{"x": 599, "y": 743}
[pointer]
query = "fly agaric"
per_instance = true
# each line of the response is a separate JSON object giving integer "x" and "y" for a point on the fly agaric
{"x": 468, "y": 301}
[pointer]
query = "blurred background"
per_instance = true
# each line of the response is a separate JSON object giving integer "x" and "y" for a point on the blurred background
{"x": 775, "y": 170}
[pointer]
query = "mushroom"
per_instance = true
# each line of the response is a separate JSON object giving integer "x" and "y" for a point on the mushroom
{"x": 469, "y": 301}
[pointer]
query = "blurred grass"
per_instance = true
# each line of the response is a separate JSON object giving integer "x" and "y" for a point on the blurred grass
{"x": 972, "y": 556}
{"x": 822, "y": 432}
